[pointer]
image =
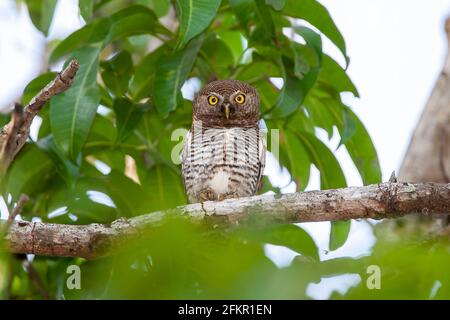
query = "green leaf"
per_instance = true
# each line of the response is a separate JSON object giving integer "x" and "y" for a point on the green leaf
{"x": 4, "y": 119}
{"x": 72, "y": 112}
{"x": 219, "y": 57}
{"x": 362, "y": 151}
{"x": 268, "y": 94}
{"x": 41, "y": 13}
{"x": 264, "y": 31}
{"x": 105, "y": 98}
{"x": 339, "y": 233}
{"x": 66, "y": 169}
{"x": 163, "y": 188}
{"x": 194, "y": 16}
{"x": 25, "y": 178}
{"x": 312, "y": 39}
{"x": 294, "y": 90}
{"x": 326, "y": 109}
{"x": 87, "y": 211}
{"x": 349, "y": 127}
{"x": 128, "y": 116}
{"x": 90, "y": 34}
{"x": 86, "y": 9}
{"x": 300, "y": 121}
{"x": 333, "y": 74}
{"x": 130, "y": 21}
{"x": 44, "y": 129}
{"x": 321, "y": 113}
{"x": 276, "y": 4}
{"x": 316, "y": 14}
{"x": 331, "y": 175}
{"x": 267, "y": 186}
{"x": 114, "y": 158}
{"x": 307, "y": 58}
{"x": 291, "y": 96}
{"x": 142, "y": 82}
{"x": 133, "y": 20}
{"x": 117, "y": 72}
{"x": 171, "y": 72}
{"x": 294, "y": 156}
{"x": 36, "y": 85}
{"x": 233, "y": 39}
{"x": 101, "y": 136}
{"x": 243, "y": 9}
{"x": 301, "y": 66}
{"x": 258, "y": 70}
{"x": 128, "y": 196}
{"x": 160, "y": 7}
{"x": 288, "y": 235}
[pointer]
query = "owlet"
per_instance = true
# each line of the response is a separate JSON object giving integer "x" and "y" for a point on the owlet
{"x": 224, "y": 153}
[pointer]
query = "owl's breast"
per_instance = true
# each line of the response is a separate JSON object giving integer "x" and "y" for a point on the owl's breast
{"x": 220, "y": 181}
{"x": 222, "y": 163}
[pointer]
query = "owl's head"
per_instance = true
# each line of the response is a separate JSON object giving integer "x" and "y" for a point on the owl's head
{"x": 227, "y": 103}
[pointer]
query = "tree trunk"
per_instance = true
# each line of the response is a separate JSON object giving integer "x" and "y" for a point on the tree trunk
{"x": 428, "y": 155}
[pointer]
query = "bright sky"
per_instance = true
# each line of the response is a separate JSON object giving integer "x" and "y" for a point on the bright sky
{"x": 396, "y": 48}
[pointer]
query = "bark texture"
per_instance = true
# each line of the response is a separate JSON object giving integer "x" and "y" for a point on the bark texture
{"x": 386, "y": 200}
{"x": 428, "y": 155}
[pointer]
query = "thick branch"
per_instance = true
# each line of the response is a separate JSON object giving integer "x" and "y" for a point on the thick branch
{"x": 14, "y": 134}
{"x": 386, "y": 200}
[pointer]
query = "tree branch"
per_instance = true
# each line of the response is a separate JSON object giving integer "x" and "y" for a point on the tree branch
{"x": 385, "y": 200}
{"x": 14, "y": 134}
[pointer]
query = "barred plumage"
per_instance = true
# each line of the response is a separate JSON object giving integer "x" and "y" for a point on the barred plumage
{"x": 224, "y": 154}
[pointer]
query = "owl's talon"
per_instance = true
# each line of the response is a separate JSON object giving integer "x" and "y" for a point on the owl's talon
{"x": 206, "y": 195}
{"x": 229, "y": 195}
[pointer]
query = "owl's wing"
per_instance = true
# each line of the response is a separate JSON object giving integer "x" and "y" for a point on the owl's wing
{"x": 185, "y": 155}
{"x": 262, "y": 161}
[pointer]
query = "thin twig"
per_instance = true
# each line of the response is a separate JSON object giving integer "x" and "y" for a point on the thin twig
{"x": 15, "y": 212}
{"x": 61, "y": 83}
{"x": 393, "y": 177}
{"x": 14, "y": 135}
{"x": 11, "y": 217}
{"x": 35, "y": 278}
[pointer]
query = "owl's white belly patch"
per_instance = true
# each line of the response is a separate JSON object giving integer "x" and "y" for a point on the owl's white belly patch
{"x": 219, "y": 182}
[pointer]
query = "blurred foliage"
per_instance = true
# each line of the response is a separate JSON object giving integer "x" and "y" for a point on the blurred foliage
{"x": 104, "y": 149}
{"x": 180, "y": 260}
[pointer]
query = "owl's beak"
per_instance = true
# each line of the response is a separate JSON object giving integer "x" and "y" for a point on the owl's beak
{"x": 226, "y": 110}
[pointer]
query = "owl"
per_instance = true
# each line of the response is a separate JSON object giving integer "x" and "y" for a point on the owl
{"x": 224, "y": 152}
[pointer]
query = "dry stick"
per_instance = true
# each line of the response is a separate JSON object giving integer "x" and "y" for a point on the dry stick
{"x": 385, "y": 200}
{"x": 35, "y": 278}
{"x": 14, "y": 134}
{"x": 29, "y": 268}
{"x": 16, "y": 211}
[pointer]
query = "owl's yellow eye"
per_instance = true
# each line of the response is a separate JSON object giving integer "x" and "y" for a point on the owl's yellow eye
{"x": 212, "y": 100}
{"x": 240, "y": 98}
